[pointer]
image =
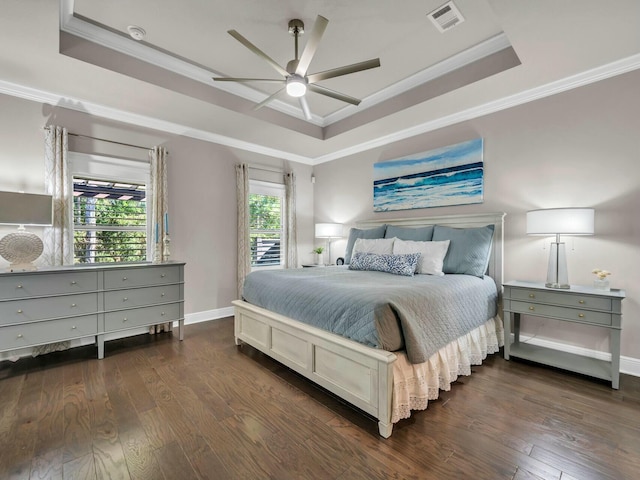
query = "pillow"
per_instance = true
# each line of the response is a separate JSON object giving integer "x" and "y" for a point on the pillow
{"x": 396, "y": 264}
{"x": 355, "y": 233}
{"x": 422, "y": 234}
{"x": 381, "y": 246}
{"x": 469, "y": 250}
{"x": 431, "y": 254}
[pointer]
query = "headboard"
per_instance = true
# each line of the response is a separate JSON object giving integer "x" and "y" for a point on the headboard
{"x": 496, "y": 268}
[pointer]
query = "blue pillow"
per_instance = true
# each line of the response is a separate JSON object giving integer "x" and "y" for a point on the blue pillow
{"x": 404, "y": 264}
{"x": 469, "y": 250}
{"x": 355, "y": 233}
{"x": 422, "y": 234}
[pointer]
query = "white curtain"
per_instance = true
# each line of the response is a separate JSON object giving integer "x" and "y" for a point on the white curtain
{"x": 160, "y": 205}
{"x": 58, "y": 239}
{"x": 244, "y": 245}
{"x": 291, "y": 231}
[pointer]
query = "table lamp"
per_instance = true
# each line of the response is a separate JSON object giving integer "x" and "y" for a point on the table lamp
{"x": 21, "y": 248}
{"x": 559, "y": 221}
{"x": 329, "y": 231}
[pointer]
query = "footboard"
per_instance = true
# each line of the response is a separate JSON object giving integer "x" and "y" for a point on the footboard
{"x": 361, "y": 375}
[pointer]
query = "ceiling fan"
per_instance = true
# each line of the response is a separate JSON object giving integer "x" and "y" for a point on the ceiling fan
{"x": 296, "y": 81}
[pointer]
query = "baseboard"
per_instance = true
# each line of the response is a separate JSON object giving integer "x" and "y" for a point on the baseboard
{"x": 207, "y": 315}
{"x": 628, "y": 365}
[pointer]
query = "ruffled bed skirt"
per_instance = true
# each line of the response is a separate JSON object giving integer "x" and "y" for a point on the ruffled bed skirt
{"x": 415, "y": 384}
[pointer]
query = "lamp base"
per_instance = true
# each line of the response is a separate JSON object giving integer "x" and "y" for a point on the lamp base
{"x": 557, "y": 276}
{"x": 21, "y": 267}
{"x": 556, "y": 285}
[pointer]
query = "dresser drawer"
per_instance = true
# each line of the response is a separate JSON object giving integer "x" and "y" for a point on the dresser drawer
{"x": 140, "y": 277}
{"x": 562, "y": 298}
{"x": 19, "y": 336}
{"x": 138, "y": 297}
{"x": 576, "y": 314}
{"x": 26, "y": 310}
{"x": 35, "y": 285}
{"x": 138, "y": 317}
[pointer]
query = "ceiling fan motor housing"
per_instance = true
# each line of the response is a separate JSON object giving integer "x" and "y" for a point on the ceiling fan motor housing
{"x": 296, "y": 27}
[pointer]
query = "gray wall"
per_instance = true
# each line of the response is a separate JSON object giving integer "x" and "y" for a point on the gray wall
{"x": 201, "y": 183}
{"x": 579, "y": 148}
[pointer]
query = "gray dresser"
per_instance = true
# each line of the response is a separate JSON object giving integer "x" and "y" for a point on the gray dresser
{"x": 579, "y": 304}
{"x": 65, "y": 303}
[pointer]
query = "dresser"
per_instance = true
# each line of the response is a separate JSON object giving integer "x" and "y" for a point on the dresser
{"x": 579, "y": 304}
{"x": 66, "y": 303}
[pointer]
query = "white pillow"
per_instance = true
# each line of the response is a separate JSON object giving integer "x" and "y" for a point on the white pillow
{"x": 431, "y": 254}
{"x": 380, "y": 246}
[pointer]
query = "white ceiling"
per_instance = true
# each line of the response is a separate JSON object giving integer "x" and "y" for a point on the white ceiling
{"x": 427, "y": 78}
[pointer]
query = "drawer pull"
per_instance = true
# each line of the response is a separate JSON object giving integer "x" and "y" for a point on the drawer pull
{"x": 19, "y": 286}
{"x": 532, "y": 308}
{"x": 162, "y": 275}
{"x": 73, "y": 305}
{"x": 581, "y": 315}
{"x": 124, "y": 279}
{"x": 162, "y": 314}
{"x": 19, "y": 310}
{"x": 124, "y": 319}
{"x": 125, "y": 299}
{"x": 162, "y": 294}
{"x": 581, "y": 302}
{"x": 73, "y": 327}
{"x": 73, "y": 282}
{"x": 19, "y": 335}
{"x": 532, "y": 295}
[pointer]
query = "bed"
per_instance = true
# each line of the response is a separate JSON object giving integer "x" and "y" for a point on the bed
{"x": 383, "y": 383}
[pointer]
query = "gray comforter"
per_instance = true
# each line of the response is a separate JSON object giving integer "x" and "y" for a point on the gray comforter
{"x": 421, "y": 314}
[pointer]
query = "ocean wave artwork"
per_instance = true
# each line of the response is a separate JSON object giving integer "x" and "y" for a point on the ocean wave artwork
{"x": 452, "y": 175}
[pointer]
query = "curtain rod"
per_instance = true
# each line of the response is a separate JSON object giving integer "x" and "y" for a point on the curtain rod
{"x": 108, "y": 141}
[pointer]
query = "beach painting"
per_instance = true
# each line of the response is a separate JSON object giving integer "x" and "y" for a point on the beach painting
{"x": 452, "y": 175}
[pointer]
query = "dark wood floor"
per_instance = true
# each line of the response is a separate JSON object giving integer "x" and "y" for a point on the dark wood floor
{"x": 157, "y": 408}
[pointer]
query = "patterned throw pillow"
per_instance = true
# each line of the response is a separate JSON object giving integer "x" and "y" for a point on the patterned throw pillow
{"x": 397, "y": 264}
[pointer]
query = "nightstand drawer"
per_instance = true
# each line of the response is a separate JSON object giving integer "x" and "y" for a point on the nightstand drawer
{"x": 575, "y": 314}
{"x": 25, "y": 286}
{"x": 140, "y": 277}
{"x": 138, "y": 297}
{"x": 138, "y": 317}
{"x": 27, "y": 310}
{"x": 562, "y": 298}
{"x": 19, "y": 336}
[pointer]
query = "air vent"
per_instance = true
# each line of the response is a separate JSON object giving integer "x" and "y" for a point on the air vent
{"x": 446, "y": 16}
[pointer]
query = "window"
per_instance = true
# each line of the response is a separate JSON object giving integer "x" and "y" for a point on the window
{"x": 109, "y": 209}
{"x": 266, "y": 224}
{"x": 109, "y": 221}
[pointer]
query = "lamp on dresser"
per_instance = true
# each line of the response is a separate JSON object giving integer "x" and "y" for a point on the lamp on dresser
{"x": 329, "y": 231}
{"x": 559, "y": 221}
{"x": 22, "y": 248}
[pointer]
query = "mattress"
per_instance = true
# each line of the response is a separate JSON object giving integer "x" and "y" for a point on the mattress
{"x": 418, "y": 314}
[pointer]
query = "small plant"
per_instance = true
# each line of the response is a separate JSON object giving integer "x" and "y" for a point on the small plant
{"x": 318, "y": 250}
{"x": 601, "y": 274}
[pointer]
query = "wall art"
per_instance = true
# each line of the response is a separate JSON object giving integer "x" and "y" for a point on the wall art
{"x": 452, "y": 175}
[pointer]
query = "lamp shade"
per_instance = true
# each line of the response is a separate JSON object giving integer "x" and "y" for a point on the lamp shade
{"x": 328, "y": 230}
{"x": 564, "y": 221}
{"x": 25, "y": 208}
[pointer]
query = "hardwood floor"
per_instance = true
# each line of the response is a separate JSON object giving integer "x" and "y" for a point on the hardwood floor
{"x": 156, "y": 408}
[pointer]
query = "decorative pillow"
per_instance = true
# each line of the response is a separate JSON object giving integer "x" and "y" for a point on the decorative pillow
{"x": 381, "y": 246}
{"x": 469, "y": 250}
{"x": 355, "y": 233}
{"x": 396, "y": 264}
{"x": 422, "y": 234}
{"x": 431, "y": 254}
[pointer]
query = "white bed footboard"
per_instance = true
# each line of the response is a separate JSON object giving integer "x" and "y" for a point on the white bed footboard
{"x": 361, "y": 375}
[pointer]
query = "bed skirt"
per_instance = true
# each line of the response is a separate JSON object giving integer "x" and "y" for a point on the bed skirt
{"x": 415, "y": 384}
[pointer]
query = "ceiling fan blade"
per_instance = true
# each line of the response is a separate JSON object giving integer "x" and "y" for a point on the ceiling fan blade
{"x": 258, "y": 52}
{"x": 269, "y": 99}
{"x": 333, "y": 94}
{"x": 305, "y": 108}
{"x": 346, "y": 70}
{"x": 245, "y": 80}
{"x": 312, "y": 45}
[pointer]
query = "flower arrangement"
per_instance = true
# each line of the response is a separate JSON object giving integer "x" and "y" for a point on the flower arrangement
{"x": 318, "y": 250}
{"x": 602, "y": 274}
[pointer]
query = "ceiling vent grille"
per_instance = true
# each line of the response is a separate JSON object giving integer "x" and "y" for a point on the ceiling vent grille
{"x": 446, "y": 16}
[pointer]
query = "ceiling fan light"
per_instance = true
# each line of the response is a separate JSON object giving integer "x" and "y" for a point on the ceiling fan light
{"x": 296, "y": 86}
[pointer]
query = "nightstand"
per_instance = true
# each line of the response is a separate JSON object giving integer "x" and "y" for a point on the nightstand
{"x": 579, "y": 304}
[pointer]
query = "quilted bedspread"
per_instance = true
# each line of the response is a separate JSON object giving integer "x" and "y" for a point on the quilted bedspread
{"x": 421, "y": 314}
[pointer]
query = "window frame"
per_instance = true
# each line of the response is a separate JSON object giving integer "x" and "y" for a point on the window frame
{"x": 261, "y": 187}
{"x": 110, "y": 169}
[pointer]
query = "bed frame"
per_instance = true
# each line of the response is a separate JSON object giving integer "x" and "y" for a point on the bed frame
{"x": 361, "y": 375}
